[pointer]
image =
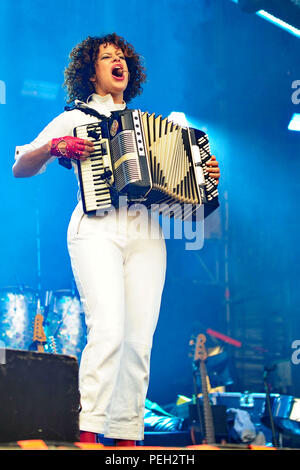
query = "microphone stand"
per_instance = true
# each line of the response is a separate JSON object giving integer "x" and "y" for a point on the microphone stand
{"x": 39, "y": 308}
{"x": 268, "y": 401}
{"x": 38, "y": 246}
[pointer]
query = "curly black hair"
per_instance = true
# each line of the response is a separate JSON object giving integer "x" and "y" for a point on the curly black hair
{"x": 82, "y": 67}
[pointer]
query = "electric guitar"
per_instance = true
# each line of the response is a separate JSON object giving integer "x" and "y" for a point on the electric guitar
{"x": 200, "y": 356}
{"x": 39, "y": 337}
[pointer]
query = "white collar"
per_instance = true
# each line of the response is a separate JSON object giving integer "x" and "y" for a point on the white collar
{"x": 106, "y": 101}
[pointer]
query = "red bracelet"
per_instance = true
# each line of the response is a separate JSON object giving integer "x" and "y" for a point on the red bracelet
{"x": 74, "y": 147}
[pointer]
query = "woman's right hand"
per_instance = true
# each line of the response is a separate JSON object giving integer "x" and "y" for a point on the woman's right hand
{"x": 71, "y": 147}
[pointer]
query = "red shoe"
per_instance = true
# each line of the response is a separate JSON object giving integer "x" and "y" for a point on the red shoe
{"x": 124, "y": 443}
{"x": 87, "y": 436}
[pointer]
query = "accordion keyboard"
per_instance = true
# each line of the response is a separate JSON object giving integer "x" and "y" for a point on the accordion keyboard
{"x": 95, "y": 172}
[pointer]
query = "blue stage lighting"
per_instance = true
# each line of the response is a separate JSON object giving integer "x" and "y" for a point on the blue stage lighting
{"x": 40, "y": 89}
{"x": 294, "y": 124}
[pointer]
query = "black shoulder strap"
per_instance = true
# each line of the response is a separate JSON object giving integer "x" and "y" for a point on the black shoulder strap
{"x": 66, "y": 162}
{"x": 86, "y": 110}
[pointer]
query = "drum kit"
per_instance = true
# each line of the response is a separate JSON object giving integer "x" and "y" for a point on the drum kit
{"x": 55, "y": 325}
{"x": 63, "y": 324}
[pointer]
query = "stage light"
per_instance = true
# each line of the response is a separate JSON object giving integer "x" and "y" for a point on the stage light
{"x": 182, "y": 120}
{"x": 282, "y": 24}
{"x": 284, "y": 15}
{"x": 294, "y": 124}
{"x": 179, "y": 118}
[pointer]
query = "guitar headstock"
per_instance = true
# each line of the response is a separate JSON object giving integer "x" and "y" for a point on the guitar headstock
{"x": 200, "y": 353}
{"x": 38, "y": 330}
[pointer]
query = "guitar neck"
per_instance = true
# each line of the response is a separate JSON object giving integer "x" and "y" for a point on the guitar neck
{"x": 208, "y": 417}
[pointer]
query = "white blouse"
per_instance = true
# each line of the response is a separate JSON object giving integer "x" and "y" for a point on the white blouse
{"x": 65, "y": 122}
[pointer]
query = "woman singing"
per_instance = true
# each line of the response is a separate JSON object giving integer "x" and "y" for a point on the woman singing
{"x": 119, "y": 272}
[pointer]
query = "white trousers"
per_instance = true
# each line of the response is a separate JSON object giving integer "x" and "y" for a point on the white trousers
{"x": 119, "y": 268}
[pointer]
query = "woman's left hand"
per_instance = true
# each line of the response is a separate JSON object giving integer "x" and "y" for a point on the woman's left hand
{"x": 213, "y": 168}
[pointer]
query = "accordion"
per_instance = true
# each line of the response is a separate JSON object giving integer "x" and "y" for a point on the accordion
{"x": 149, "y": 160}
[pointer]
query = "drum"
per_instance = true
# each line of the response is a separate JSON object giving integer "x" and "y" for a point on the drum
{"x": 65, "y": 325}
{"x": 18, "y": 307}
{"x": 285, "y": 413}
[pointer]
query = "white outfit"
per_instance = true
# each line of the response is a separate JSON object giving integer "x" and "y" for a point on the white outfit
{"x": 120, "y": 273}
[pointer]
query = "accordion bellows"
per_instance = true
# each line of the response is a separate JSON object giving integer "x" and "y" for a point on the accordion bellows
{"x": 150, "y": 160}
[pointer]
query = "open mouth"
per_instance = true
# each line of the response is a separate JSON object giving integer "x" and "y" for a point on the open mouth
{"x": 118, "y": 72}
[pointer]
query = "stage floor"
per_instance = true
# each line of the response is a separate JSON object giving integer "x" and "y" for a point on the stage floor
{"x": 40, "y": 445}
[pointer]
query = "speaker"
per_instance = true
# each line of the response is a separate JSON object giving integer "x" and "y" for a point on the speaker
{"x": 39, "y": 396}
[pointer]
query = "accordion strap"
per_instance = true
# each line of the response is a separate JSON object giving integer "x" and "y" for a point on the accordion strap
{"x": 65, "y": 162}
{"x": 87, "y": 110}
